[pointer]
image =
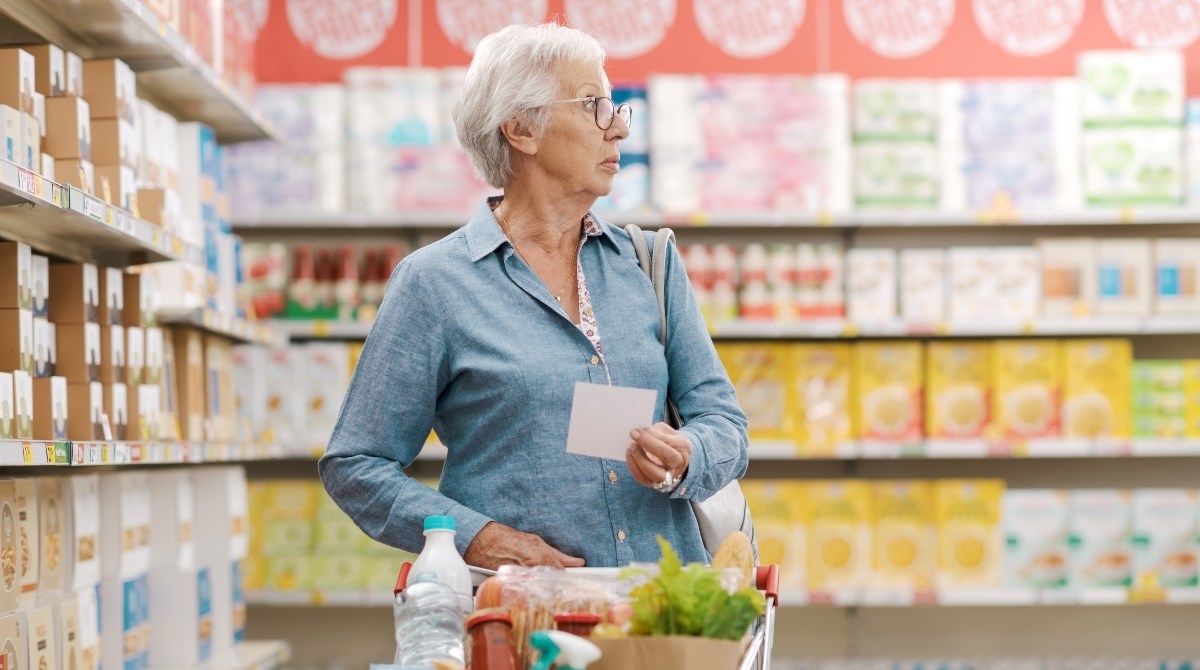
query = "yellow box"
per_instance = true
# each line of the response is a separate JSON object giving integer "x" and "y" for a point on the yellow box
{"x": 1191, "y": 389}
{"x": 1026, "y": 388}
{"x": 776, "y": 507}
{"x": 888, "y": 383}
{"x": 903, "y": 542}
{"x": 1097, "y": 388}
{"x": 957, "y": 397}
{"x": 760, "y": 373}
{"x": 290, "y": 573}
{"x": 970, "y": 537}
{"x": 254, "y": 573}
{"x": 838, "y": 517}
{"x": 339, "y": 574}
{"x": 291, "y": 500}
{"x": 821, "y": 398}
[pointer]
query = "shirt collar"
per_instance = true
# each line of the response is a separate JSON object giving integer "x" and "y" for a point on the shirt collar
{"x": 484, "y": 235}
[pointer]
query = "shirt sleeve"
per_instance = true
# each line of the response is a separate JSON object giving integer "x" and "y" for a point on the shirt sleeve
{"x": 712, "y": 418}
{"x": 386, "y": 418}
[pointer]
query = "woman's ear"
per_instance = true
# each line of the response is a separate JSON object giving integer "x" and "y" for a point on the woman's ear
{"x": 520, "y": 136}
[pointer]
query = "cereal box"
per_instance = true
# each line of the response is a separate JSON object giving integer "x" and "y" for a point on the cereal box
{"x": 1026, "y": 388}
{"x": 957, "y": 401}
{"x": 838, "y": 515}
{"x": 903, "y": 540}
{"x": 760, "y": 373}
{"x": 1101, "y": 525}
{"x": 1036, "y": 532}
{"x": 779, "y": 527}
{"x": 887, "y": 381}
{"x": 1096, "y": 389}
{"x": 1159, "y": 399}
{"x": 821, "y": 397}
{"x": 967, "y": 513}
{"x": 1164, "y": 538}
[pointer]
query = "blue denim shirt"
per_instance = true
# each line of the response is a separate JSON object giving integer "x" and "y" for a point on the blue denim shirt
{"x": 469, "y": 341}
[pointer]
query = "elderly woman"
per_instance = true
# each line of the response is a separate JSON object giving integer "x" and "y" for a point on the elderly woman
{"x": 483, "y": 335}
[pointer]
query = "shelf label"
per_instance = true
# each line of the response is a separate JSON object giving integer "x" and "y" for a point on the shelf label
{"x": 176, "y": 246}
{"x": 820, "y": 598}
{"x": 104, "y": 453}
{"x": 824, "y": 218}
{"x": 56, "y": 195}
{"x": 27, "y": 453}
{"x": 94, "y": 208}
{"x": 926, "y": 597}
{"x": 24, "y": 180}
{"x": 50, "y": 453}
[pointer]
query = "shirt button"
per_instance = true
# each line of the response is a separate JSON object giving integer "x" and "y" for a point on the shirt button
{"x": 612, "y": 476}
{"x": 621, "y": 535}
{"x": 595, "y": 360}
{"x": 683, "y": 491}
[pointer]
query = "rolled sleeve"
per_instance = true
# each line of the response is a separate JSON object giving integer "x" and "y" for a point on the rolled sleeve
{"x": 386, "y": 418}
{"x": 713, "y": 421}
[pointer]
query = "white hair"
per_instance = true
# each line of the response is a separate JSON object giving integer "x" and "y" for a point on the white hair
{"x": 514, "y": 75}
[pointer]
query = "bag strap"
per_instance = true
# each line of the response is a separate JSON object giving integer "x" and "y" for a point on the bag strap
{"x": 655, "y": 266}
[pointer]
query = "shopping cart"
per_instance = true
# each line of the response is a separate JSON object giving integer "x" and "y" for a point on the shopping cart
{"x": 762, "y": 633}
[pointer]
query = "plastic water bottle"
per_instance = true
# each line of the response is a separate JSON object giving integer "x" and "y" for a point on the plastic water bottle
{"x": 439, "y": 561}
{"x": 429, "y": 625}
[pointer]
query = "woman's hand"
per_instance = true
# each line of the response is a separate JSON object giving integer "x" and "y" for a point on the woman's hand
{"x": 658, "y": 453}
{"x": 496, "y": 545}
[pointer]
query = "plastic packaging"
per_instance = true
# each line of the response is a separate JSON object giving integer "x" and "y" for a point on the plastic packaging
{"x": 571, "y": 652}
{"x": 429, "y": 625}
{"x": 440, "y": 562}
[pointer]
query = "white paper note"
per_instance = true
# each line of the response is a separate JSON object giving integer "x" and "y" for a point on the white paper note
{"x": 602, "y": 417}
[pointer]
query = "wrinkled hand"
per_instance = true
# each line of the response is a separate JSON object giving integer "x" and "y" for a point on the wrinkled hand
{"x": 656, "y": 451}
{"x": 496, "y": 545}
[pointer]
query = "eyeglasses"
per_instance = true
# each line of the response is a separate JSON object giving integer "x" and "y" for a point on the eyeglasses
{"x": 604, "y": 110}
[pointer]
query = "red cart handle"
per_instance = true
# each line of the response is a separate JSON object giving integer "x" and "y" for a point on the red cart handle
{"x": 402, "y": 579}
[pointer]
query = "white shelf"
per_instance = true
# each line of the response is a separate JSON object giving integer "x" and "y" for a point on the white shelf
{"x": 254, "y": 655}
{"x": 913, "y": 218}
{"x": 319, "y": 598}
{"x": 988, "y": 598}
{"x": 241, "y": 330}
{"x": 20, "y": 453}
{"x": 170, "y": 71}
{"x": 171, "y": 453}
{"x": 63, "y": 221}
{"x": 319, "y": 329}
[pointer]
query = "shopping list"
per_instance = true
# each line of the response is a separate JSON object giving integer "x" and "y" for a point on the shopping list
{"x": 602, "y": 417}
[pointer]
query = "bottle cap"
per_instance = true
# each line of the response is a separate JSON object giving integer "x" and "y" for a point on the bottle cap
{"x": 440, "y": 523}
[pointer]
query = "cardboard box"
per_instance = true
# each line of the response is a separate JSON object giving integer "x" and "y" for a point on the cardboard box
{"x": 871, "y": 285}
{"x": 50, "y": 69}
{"x": 135, "y": 355}
{"x": 169, "y": 430}
{"x": 77, "y": 173}
{"x": 221, "y": 541}
{"x": 79, "y": 350}
{"x": 838, "y": 516}
{"x": 141, "y": 295}
{"x": 958, "y": 376}
{"x": 1037, "y": 550}
{"x": 1124, "y": 283}
{"x": 12, "y": 642}
{"x": 86, "y": 401}
{"x": 68, "y": 129}
{"x": 116, "y": 406}
{"x": 50, "y": 408}
{"x": 176, "y": 582}
{"x": 160, "y": 207}
{"x": 1096, "y": 396}
{"x": 154, "y": 356}
{"x": 112, "y": 304}
{"x": 13, "y": 136}
{"x": 970, "y": 536}
{"x": 923, "y": 285}
{"x": 16, "y": 342}
{"x": 110, "y": 88}
{"x": 41, "y": 638}
{"x": 52, "y": 529}
{"x": 190, "y": 382}
{"x": 27, "y": 530}
{"x": 49, "y": 168}
{"x": 889, "y": 400}
{"x": 16, "y": 276}
{"x": 10, "y": 548}
{"x": 41, "y": 348}
{"x": 18, "y": 72}
{"x": 125, "y": 518}
{"x": 125, "y": 635}
{"x": 113, "y": 142}
{"x": 69, "y": 651}
{"x": 31, "y": 143}
{"x": 1177, "y": 269}
{"x": 74, "y": 293}
{"x": 1027, "y": 387}
{"x": 8, "y": 410}
{"x": 1131, "y": 86}
{"x": 74, "y": 74}
{"x": 1164, "y": 538}
{"x": 1068, "y": 276}
{"x": 113, "y": 366}
{"x": 89, "y": 627}
{"x": 52, "y": 344}
{"x": 39, "y": 113}
{"x": 85, "y": 503}
{"x": 1101, "y": 538}
{"x": 145, "y": 411}
{"x": 117, "y": 186}
{"x": 23, "y": 393}
{"x": 40, "y": 285}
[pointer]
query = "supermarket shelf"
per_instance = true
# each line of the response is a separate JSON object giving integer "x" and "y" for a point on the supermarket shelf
{"x": 782, "y": 219}
{"x": 321, "y": 329}
{"x": 319, "y": 598}
{"x": 256, "y": 655}
{"x": 170, "y": 71}
{"x": 1100, "y": 597}
{"x": 34, "y": 453}
{"x": 241, "y": 330}
{"x": 63, "y": 221}
{"x": 41, "y": 453}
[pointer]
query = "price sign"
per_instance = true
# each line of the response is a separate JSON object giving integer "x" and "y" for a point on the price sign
{"x": 27, "y": 453}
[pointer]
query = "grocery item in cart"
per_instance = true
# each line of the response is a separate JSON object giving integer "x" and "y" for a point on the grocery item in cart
{"x": 440, "y": 561}
{"x": 429, "y": 625}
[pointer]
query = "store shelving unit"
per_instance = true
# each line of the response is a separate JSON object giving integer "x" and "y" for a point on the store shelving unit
{"x": 264, "y": 655}
{"x": 171, "y": 73}
{"x": 914, "y": 218}
{"x": 240, "y": 330}
{"x": 40, "y": 453}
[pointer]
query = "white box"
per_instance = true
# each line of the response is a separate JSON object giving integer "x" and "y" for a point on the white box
{"x": 172, "y": 521}
{"x": 1101, "y": 539}
{"x": 125, "y": 519}
{"x": 1138, "y": 166}
{"x": 31, "y": 143}
{"x": 69, "y": 653}
{"x": 74, "y": 74}
{"x": 125, "y": 627}
{"x": 181, "y": 284}
{"x": 897, "y": 174}
{"x": 286, "y": 409}
{"x": 49, "y": 168}
{"x": 327, "y": 372}
{"x": 11, "y": 134}
{"x": 1068, "y": 276}
{"x": 1017, "y": 284}
{"x": 89, "y": 627}
{"x": 30, "y": 540}
{"x": 149, "y": 412}
{"x": 85, "y": 546}
{"x": 40, "y": 271}
{"x": 1124, "y": 284}
{"x": 52, "y": 339}
{"x": 1131, "y": 85}
{"x": 221, "y": 541}
{"x": 250, "y": 370}
{"x": 8, "y": 410}
{"x": 12, "y": 641}
{"x": 154, "y": 356}
{"x": 1036, "y": 548}
{"x": 895, "y": 109}
{"x": 41, "y": 638}
{"x": 1191, "y": 151}
{"x": 116, "y": 406}
{"x": 41, "y": 347}
{"x": 185, "y": 638}
{"x": 10, "y": 548}
{"x": 55, "y": 537}
{"x": 1177, "y": 273}
{"x": 972, "y": 283}
{"x": 1164, "y": 538}
{"x": 23, "y": 392}
{"x": 135, "y": 355}
{"x": 923, "y": 285}
{"x": 871, "y": 284}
